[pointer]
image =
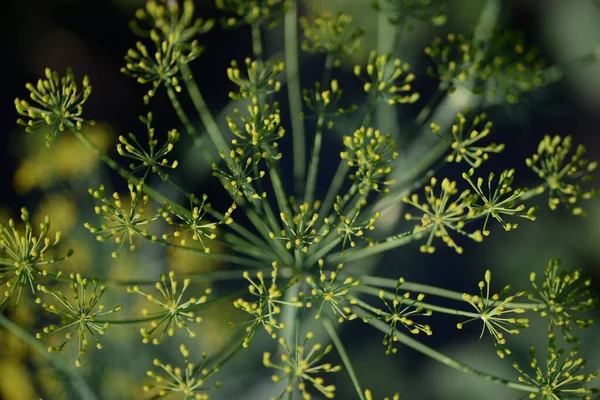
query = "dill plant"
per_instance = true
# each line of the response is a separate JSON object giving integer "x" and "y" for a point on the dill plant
{"x": 289, "y": 246}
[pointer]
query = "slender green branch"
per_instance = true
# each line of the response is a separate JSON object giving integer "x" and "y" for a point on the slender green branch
{"x": 278, "y": 188}
{"x": 294, "y": 97}
{"x": 257, "y": 48}
{"x": 430, "y": 106}
{"x": 217, "y": 256}
{"x": 390, "y": 243}
{"x": 160, "y": 315}
{"x": 428, "y": 351}
{"x": 205, "y": 115}
{"x": 334, "y": 187}
{"x": 79, "y": 385}
{"x": 289, "y": 314}
{"x": 189, "y": 127}
{"x": 392, "y": 296}
{"x": 436, "y": 291}
{"x": 344, "y": 356}
{"x": 313, "y": 167}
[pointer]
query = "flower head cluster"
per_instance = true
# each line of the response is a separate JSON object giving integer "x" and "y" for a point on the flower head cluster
{"x": 260, "y": 79}
{"x": 401, "y": 311}
{"x": 563, "y": 172}
{"x": 174, "y": 312}
{"x": 388, "y": 79}
{"x": 498, "y": 202}
{"x": 456, "y": 60}
{"x": 561, "y": 377}
{"x": 260, "y": 131}
{"x": 331, "y": 34}
{"x": 172, "y": 32}
{"x": 330, "y": 289}
{"x": 78, "y": 316}
{"x": 248, "y": 12}
{"x": 426, "y": 10}
{"x": 172, "y": 20}
{"x": 24, "y": 255}
{"x": 195, "y": 224}
{"x": 122, "y": 223}
{"x": 442, "y": 214}
{"x": 324, "y": 102}
{"x": 189, "y": 381}
{"x": 465, "y": 146}
{"x": 351, "y": 227}
{"x": 495, "y": 312}
{"x": 58, "y": 104}
{"x": 264, "y": 310}
{"x": 499, "y": 67}
{"x": 150, "y": 160}
{"x": 239, "y": 174}
{"x": 371, "y": 153}
{"x": 564, "y": 295}
{"x": 301, "y": 229}
{"x": 510, "y": 69}
{"x": 299, "y": 367}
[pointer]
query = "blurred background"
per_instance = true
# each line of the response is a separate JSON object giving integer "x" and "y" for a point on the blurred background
{"x": 92, "y": 37}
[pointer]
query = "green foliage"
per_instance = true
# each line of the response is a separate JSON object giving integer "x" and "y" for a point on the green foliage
{"x": 277, "y": 234}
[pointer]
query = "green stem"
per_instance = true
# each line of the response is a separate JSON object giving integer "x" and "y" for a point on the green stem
{"x": 282, "y": 202}
{"x": 334, "y": 187}
{"x": 217, "y": 256}
{"x": 387, "y": 36}
{"x": 390, "y": 243}
{"x": 189, "y": 127}
{"x": 428, "y": 351}
{"x": 436, "y": 291}
{"x": 392, "y": 296}
{"x": 205, "y": 115}
{"x": 344, "y": 356}
{"x": 294, "y": 96}
{"x": 405, "y": 186}
{"x": 430, "y": 106}
{"x": 161, "y": 315}
{"x": 289, "y": 314}
{"x": 257, "y": 48}
{"x": 79, "y": 385}
{"x": 311, "y": 182}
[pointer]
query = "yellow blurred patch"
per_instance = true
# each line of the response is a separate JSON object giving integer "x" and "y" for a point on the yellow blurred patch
{"x": 66, "y": 159}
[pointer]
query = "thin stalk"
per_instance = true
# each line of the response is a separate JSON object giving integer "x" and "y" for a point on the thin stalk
{"x": 294, "y": 96}
{"x": 278, "y": 247}
{"x": 289, "y": 315}
{"x": 390, "y": 243}
{"x": 205, "y": 115}
{"x": 323, "y": 250}
{"x": 257, "y": 48}
{"x": 444, "y": 359}
{"x": 430, "y": 106}
{"x": 189, "y": 127}
{"x": 418, "y": 170}
{"x": 387, "y": 37}
{"x": 198, "y": 277}
{"x": 311, "y": 182}
{"x": 282, "y": 201}
{"x": 217, "y": 256}
{"x": 392, "y": 296}
{"x": 344, "y": 356}
{"x": 436, "y": 291}
{"x": 160, "y": 315}
{"x": 334, "y": 187}
{"x": 79, "y": 385}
